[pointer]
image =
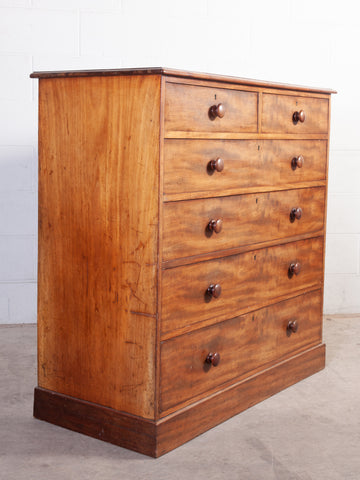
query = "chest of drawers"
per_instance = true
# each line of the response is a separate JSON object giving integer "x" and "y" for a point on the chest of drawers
{"x": 181, "y": 249}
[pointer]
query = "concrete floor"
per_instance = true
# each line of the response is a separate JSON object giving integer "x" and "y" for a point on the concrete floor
{"x": 309, "y": 431}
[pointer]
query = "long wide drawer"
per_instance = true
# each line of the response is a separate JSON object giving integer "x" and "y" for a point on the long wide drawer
{"x": 193, "y": 364}
{"x": 201, "y": 226}
{"x": 293, "y": 114}
{"x": 223, "y": 288}
{"x": 215, "y": 166}
{"x": 188, "y": 108}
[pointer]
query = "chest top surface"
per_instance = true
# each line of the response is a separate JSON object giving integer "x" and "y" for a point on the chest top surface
{"x": 176, "y": 73}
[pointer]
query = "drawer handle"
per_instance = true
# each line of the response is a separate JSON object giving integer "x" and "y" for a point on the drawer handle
{"x": 214, "y": 290}
{"x": 213, "y": 359}
{"x": 299, "y": 116}
{"x": 215, "y": 225}
{"x": 292, "y": 327}
{"x": 217, "y": 165}
{"x": 216, "y": 111}
{"x": 294, "y": 269}
{"x": 295, "y": 214}
{"x": 297, "y": 162}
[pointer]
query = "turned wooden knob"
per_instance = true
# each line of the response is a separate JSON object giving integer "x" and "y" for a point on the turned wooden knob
{"x": 217, "y": 111}
{"x": 295, "y": 213}
{"x": 213, "y": 359}
{"x": 297, "y": 162}
{"x": 292, "y": 327}
{"x": 294, "y": 268}
{"x": 299, "y": 116}
{"x": 215, "y": 225}
{"x": 214, "y": 290}
{"x": 217, "y": 165}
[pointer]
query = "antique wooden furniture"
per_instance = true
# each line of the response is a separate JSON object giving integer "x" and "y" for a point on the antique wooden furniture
{"x": 181, "y": 249}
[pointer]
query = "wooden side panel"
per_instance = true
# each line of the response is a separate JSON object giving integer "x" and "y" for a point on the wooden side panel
{"x": 246, "y": 220}
{"x": 277, "y": 115}
{"x": 98, "y": 233}
{"x": 187, "y": 109}
{"x": 247, "y": 164}
{"x": 248, "y": 281}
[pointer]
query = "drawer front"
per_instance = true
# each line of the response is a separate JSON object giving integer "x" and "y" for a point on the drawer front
{"x": 190, "y": 165}
{"x": 190, "y": 227}
{"x": 247, "y": 281}
{"x": 278, "y": 112}
{"x": 242, "y": 344}
{"x": 187, "y": 109}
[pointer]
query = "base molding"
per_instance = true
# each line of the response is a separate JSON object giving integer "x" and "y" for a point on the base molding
{"x": 154, "y": 438}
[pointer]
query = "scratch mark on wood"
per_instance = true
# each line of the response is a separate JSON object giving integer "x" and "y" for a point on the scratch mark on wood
{"x": 143, "y": 313}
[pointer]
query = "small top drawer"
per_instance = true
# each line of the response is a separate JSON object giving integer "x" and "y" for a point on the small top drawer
{"x": 292, "y": 114}
{"x": 190, "y": 108}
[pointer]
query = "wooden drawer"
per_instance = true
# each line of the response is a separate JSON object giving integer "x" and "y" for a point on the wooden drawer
{"x": 187, "y": 109}
{"x": 243, "y": 344}
{"x": 246, "y": 164}
{"x": 278, "y": 110}
{"x": 244, "y": 220}
{"x": 248, "y": 281}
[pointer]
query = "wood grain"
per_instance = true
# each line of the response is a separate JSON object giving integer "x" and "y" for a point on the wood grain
{"x": 248, "y": 281}
{"x": 246, "y": 220}
{"x": 244, "y": 344}
{"x": 187, "y": 109}
{"x": 278, "y": 112}
{"x": 247, "y": 164}
{"x": 98, "y": 144}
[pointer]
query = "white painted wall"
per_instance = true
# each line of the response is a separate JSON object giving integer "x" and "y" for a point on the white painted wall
{"x": 305, "y": 42}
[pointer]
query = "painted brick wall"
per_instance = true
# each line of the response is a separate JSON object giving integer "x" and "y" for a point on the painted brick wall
{"x": 307, "y": 42}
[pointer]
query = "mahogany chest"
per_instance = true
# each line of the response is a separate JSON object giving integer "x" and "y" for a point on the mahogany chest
{"x": 181, "y": 249}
